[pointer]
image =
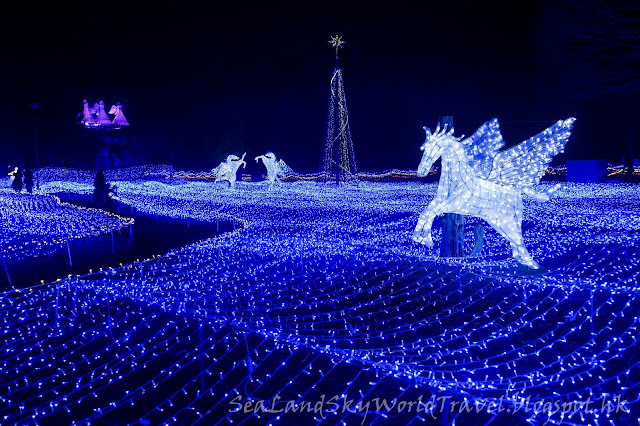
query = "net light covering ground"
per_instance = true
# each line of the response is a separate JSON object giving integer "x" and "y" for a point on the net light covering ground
{"x": 321, "y": 291}
{"x": 36, "y": 225}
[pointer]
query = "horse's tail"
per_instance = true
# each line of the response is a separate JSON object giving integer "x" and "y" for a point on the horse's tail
{"x": 541, "y": 196}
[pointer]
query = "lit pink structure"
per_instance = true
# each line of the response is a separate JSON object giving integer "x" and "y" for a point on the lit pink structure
{"x": 119, "y": 119}
{"x": 102, "y": 118}
{"x": 87, "y": 114}
{"x": 97, "y": 117}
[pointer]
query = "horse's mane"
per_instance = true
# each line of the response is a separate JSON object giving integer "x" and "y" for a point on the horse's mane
{"x": 522, "y": 165}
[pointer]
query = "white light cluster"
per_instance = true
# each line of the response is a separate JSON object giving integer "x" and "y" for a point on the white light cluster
{"x": 320, "y": 291}
{"x": 228, "y": 169}
{"x": 275, "y": 169}
{"x": 479, "y": 180}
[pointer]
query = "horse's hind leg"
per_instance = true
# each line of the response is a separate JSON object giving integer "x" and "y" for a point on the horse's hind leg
{"x": 422, "y": 232}
{"x": 511, "y": 230}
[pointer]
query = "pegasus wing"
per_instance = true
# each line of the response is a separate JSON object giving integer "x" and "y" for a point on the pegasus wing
{"x": 482, "y": 147}
{"x": 284, "y": 168}
{"x": 524, "y": 164}
{"x": 219, "y": 170}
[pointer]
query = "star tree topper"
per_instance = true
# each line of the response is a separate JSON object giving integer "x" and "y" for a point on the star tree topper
{"x": 336, "y": 41}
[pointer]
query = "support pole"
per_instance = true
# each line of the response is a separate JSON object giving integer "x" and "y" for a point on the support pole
{"x": 201, "y": 341}
{"x": 69, "y": 253}
{"x": 452, "y": 242}
{"x": 591, "y": 316}
{"x": 75, "y": 300}
{"x": 6, "y": 270}
{"x": 460, "y": 284}
{"x": 113, "y": 247}
{"x": 188, "y": 222}
{"x": 301, "y": 262}
{"x": 130, "y": 234}
{"x": 109, "y": 318}
{"x": 248, "y": 360}
{"x": 57, "y": 302}
{"x": 218, "y": 224}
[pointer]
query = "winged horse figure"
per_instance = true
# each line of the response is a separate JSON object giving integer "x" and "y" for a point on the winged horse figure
{"x": 479, "y": 180}
{"x": 275, "y": 169}
{"x": 228, "y": 170}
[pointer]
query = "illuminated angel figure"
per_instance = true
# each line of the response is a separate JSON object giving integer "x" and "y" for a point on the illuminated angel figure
{"x": 101, "y": 116}
{"x": 119, "y": 119}
{"x": 227, "y": 170}
{"x": 275, "y": 169}
{"x": 479, "y": 180}
{"x": 88, "y": 118}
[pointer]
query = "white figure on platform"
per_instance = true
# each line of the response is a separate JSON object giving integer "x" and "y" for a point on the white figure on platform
{"x": 88, "y": 118}
{"x": 227, "y": 170}
{"x": 101, "y": 116}
{"x": 479, "y": 180}
{"x": 119, "y": 119}
{"x": 274, "y": 168}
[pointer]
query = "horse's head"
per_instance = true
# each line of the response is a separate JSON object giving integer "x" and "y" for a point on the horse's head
{"x": 433, "y": 146}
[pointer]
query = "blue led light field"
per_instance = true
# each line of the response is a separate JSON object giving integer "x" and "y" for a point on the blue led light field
{"x": 319, "y": 294}
{"x": 34, "y": 225}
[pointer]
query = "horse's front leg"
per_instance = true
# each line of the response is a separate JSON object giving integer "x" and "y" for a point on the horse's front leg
{"x": 422, "y": 232}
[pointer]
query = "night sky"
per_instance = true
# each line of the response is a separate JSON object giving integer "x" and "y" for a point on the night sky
{"x": 200, "y": 82}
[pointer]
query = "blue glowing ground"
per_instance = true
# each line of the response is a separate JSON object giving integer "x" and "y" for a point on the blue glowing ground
{"x": 320, "y": 295}
{"x": 36, "y": 225}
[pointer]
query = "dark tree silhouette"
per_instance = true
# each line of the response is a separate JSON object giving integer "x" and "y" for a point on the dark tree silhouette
{"x": 17, "y": 181}
{"x": 596, "y": 44}
{"x": 102, "y": 191}
{"x": 28, "y": 180}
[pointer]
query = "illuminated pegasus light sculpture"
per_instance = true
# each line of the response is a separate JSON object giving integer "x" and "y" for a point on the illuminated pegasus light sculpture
{"x": 227, "y": 170}
{"x": 479, "y": 180}
{"x": 275, "y": 169}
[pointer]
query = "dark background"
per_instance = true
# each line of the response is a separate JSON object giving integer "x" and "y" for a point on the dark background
{"x": 201, "y": 81}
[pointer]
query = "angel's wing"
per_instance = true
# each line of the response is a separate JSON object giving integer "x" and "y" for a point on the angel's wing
{"x": 524, "y": 164}
{"x": 482, "y": 146}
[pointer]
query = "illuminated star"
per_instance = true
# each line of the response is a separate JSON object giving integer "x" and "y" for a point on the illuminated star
{"x": 336, "y": 41}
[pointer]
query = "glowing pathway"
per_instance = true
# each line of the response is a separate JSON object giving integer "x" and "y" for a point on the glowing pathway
{"x": 320, "y": 291}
